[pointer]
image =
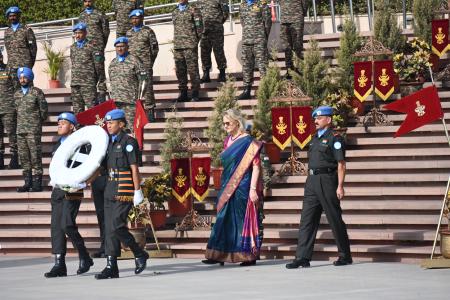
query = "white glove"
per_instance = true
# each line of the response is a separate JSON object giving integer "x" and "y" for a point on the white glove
{"x": 138, "y": 197}
{"x": 73, "y": 189}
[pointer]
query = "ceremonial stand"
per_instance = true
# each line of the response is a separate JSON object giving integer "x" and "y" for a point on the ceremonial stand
{"x": 371, "y": 49}
{"x": 193, "y": 220}
{"x": 291, "y": 94}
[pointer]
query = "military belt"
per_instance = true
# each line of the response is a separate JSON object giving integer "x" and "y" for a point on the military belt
{"x": 319, "y": 171}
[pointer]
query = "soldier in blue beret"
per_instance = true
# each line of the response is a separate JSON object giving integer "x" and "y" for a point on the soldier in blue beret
{"x": 122, "y": 191}
{"x": 324, "y": 189}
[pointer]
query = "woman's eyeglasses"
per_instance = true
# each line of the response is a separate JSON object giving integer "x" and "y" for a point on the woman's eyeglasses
{"x": 226, "y": 123}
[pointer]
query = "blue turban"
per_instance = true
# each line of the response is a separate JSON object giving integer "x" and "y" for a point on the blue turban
{"x": 27, "y": 72}
{"x": 79, "y": 26}
{"x": 13, "y": 10}
{"x": 136, "y": 13}
{"x": 121, "y": 39}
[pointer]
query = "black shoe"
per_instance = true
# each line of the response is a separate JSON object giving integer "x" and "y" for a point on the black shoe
{"x": 111, "y": 270}
{"x": 183, "y": 96}
{"x": 2, "y": 162}
{"x": 248, "y": 263}
{"x": 287, "y": 76}
{"x": 205, "y": 77}
{"x": 99, "y": 254}
{"x": 27, "y": 186}
{"x": 141, "y": 263}
{"x": 59, "y": 269}
{"x": 343, "y": 261}
{"x": 85, "y": 264}
{"x": 36, "y": 186}
{"x": 14, "y": 162}
{"x": 296, "y": 263}
{"x": 212, "y": 262}
{"x": 194, "y": 96}
{"x": 222, "y": 76}
{"x": 246, "y": 94}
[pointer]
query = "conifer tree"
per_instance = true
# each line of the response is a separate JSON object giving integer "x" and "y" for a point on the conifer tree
{"x": 172, "y": 135}
{"x": 386, "y": 28}
{"x": 423, "y": 11}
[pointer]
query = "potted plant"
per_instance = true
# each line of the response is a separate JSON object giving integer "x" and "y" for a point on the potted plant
{"x": 445, "y": 233}
{"x": 344, "y": 111}
{"x": 157, "y": 191}
{"x": 138, "y": 219}
{"x": 412, "y": 65}
{"x": 55, "y": 60}
{"x": 226, "y": 99}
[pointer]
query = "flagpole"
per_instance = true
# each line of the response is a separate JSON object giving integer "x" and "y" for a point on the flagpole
{"x": 444, "y": 202}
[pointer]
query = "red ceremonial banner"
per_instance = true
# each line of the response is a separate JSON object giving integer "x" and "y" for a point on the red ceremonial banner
{"x": 362, "y": 81}
{"x": 96, "y": 114}
{"x": 384, "y": 78}
{"x": 281, "y": 126}
{"x": 181, "y": 186}
{"x": 421, "y": 108}
{"x": 201, "y": 168}
{"x": 140, "y": 120}
{"x": 439, "y": 36}
{"x": 302, "y": 125}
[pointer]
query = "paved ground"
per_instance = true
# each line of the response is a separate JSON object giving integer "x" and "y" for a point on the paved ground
{"x": 22, "y": 278}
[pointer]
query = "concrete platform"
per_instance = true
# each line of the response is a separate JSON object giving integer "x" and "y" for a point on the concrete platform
{"x": 22, "y": 278}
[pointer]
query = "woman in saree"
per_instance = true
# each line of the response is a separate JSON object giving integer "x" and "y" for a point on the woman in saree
{"x": 237, "y": 233}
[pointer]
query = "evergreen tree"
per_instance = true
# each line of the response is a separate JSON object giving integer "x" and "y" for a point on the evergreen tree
{"x": 350, "y": 43}
{"x": 423, "y": 11}
{"x": 386, "y": 28}
{"x": 268, "y": 88}
{"x": 225, "y": 100}
{"x": 315, "y": 79}
{"x": 172, "y": 135}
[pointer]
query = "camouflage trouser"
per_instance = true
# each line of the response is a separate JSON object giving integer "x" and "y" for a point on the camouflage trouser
{"x": 82, "y": 96}
{"x": 212, "y": 39}
{"x": 101, "y": 71}
{"x": 186, "y": 61}
{"x": 130, "y": 111}
{"x": 8, "y": 124}
{"x": 30, "y": 152}
{"x": 292, "y": 40}
{"x": 251, "y": 54}
{"x": 149, "y": 95}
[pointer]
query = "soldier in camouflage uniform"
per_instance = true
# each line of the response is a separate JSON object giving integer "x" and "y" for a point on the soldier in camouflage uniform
{"x": 98, "y": 32}
{"x": 20, "y": 44}
{"x": 123, "y": 8}
{"x": 292, "y": 24}
{"x": 144, "y": 45}
{"x": 126, "y": 74}
{"x": 214, "y": 14}
{"x": 86, "y": 63}
{"x": 188, "y": 27}
{"x": 32, "y": 111}
{"x": 256, "y": 23}
{"x": 7, "y": 117}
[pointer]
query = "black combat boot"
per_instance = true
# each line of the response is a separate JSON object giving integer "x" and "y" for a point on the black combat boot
{"x": 183, "y": 96}
{"x": 27, "y": 186}
{"x": 140, "y": 259}
{"x": 59, "y": 269}
{"x": 2, "y": 162}
{"x": 205, "y": 77}
{"x": 37, "y": 183}
{"x": 86, "y": 263}
{"x": 194, "y": 96}
{"x": 222, "y": 76}
{"x": 14, "y": 162}
{"x": 246, "y": 93}
{"x": 111, "y": 270}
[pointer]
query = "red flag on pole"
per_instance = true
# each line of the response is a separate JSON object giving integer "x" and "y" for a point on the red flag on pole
{"x": 140, "y": 120}
{"x": 96, "y": 114}
{"x": 439, "y": 36}
{"x": 421, "y": 108}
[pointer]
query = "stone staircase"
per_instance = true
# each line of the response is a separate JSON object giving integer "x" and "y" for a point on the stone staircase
{"x": 394, "y": 187}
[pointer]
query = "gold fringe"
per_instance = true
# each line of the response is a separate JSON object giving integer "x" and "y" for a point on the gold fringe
{"x": 124, "y": 198}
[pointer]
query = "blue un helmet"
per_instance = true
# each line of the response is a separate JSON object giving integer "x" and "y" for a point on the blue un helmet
{"x": 68, "y": 116}
{"x": 25, "y": 71}
{"x": 322, "y": 111}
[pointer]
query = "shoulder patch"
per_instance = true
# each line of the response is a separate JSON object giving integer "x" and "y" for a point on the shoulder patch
{"x": 129, "y": 148}
{"x": 337, "y": 145}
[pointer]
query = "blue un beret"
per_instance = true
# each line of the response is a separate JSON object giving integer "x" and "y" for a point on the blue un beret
{"x": 136, "y": 13}
{"x": 121, "y": 39}
{"x": 79, "y": 26}
{"x": 322, "y": 111}
{"x": 115, "y": 114}
{"x": 27, "y": 72}
{"x": 13, "y": 10}
{"x": 68, "y": 116}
